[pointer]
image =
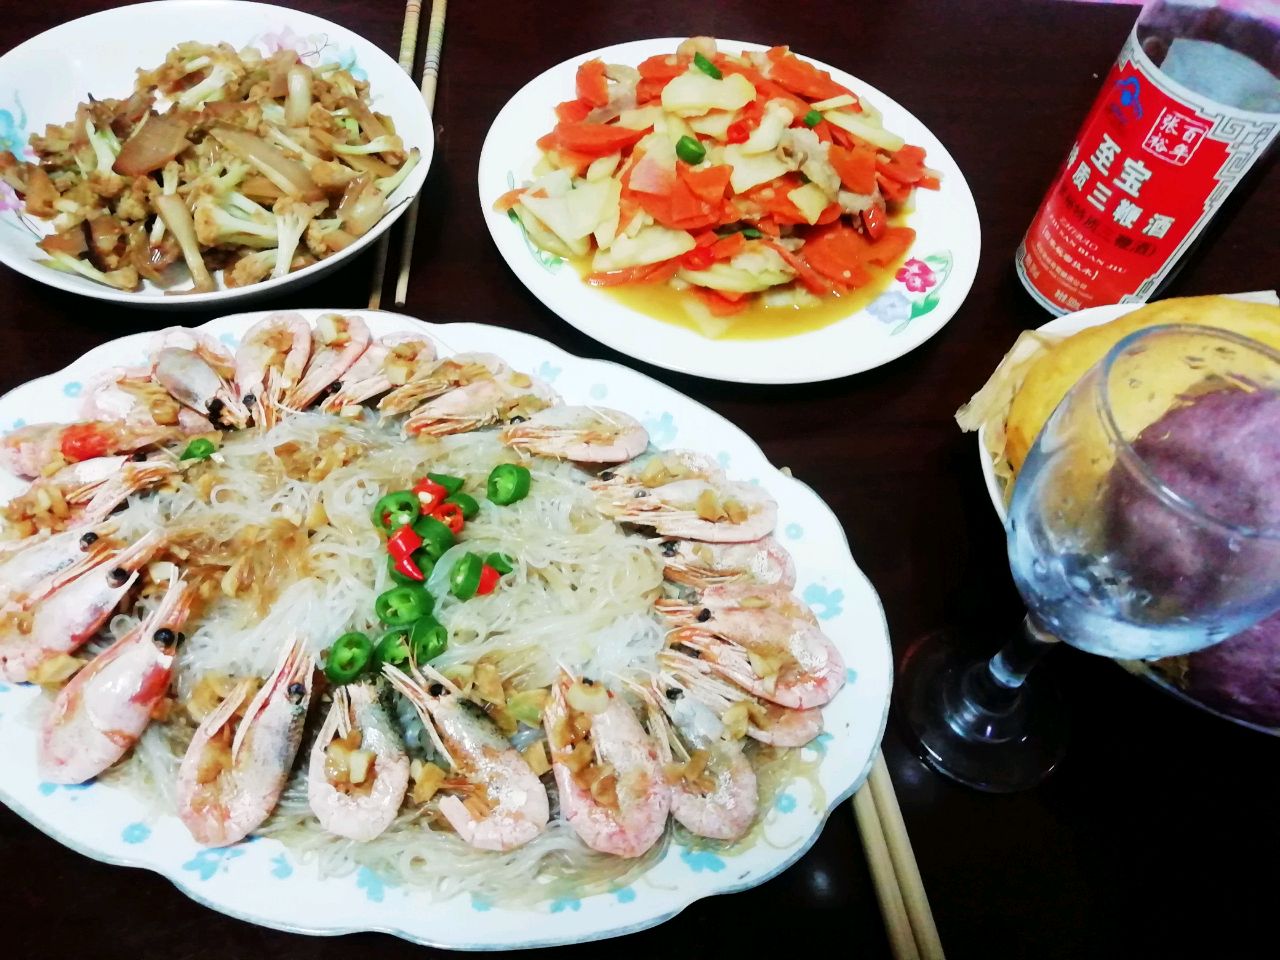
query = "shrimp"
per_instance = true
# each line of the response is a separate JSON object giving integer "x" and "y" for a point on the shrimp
{"x": 761, "y": 638}
{"x": 97, "y": 501}
{"x": 270, "y": 361}
{"x": 506, "y": 397}
{"x": 105, "y": 707}
{"x": 195, "y": 383}
{"x": 701, "y": 565}
{"x": 358, "y": 772}
{"x": 84, "y": 493}
{"x": 133, "y": 397}
{"x": 509, "y": 807}
{"x": 656, "y": 470}
{"x": 581, "y": 434}
{"x": 391, "y": 362}
{"x": 608, "y": 771}
{"x": 713, "y": 787}
{"x": 337, "y": 343}
{"x": 723, "y": 512}
{"x": 41, "y": 558}
{"x": 33, "y": 450}
{"x": 764, "y": 721}
{"x": 71, "y": 607}
{"x": 235, "y": 769}
{"x": 434, "y": 379}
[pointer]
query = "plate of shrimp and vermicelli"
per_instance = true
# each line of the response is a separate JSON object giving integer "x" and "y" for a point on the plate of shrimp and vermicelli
{"x": 728, "y": 209}
{"x": 411, "y": 607}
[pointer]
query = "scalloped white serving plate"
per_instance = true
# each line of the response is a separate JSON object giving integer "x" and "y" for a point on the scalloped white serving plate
{"x": 911, "y": 311}
{"x": 263, "y": 882}
{"x": 43, "y": 79}
{"x": 1064, "y": 326}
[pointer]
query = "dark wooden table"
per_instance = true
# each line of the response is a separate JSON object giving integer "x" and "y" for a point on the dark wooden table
{"x": 1157, "y": 837}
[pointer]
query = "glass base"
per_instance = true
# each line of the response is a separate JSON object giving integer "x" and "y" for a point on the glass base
{"x": 969, "y": 727}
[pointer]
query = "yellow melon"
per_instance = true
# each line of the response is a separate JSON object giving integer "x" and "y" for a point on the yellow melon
{"x": 1063, "y": 364}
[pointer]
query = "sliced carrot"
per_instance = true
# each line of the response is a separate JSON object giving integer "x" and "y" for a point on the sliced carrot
{"x": 707, "y": 183}
{"x": 895, "y": 242}
{"x": 772, "y": 198}
{"x": 572, "y": 111}
{"x": 728, "y": 247}
{"x": 814, "y": 281}
{"x": 823, "y": 130}
{"x": 804, "y": 79}
{"x": 718, "y": 304}
{"x": 663, "y": 68}
{"x": 508, "y": 200}
{"x": 647, "y": 273}
{"x": 838, "y": 252}
{"x": 910, "y": 154}
{"x": 830, "y": 215}
{"x": 841, "y": 136}
{"x": 892, "y": 189}
{"x": 766, "y": 88}
{"x": 595, "y": 139}
{"x": 903, "y": 173}
{"x": 548, "y": 141}
{"x": 930, "y": 183}
{"x": 768, "y": 227}
{"x": 591, "y": 83}
{"x": 647, "y": 91}
{"x": 857, "y": 168}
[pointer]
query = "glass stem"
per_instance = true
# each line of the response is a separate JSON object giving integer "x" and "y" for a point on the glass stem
{"x": 989, "y": 690}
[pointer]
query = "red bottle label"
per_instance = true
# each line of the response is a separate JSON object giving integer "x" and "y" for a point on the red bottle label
{"x": 1149, "y": 168}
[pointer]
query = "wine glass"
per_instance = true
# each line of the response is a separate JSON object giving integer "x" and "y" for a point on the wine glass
{"x": 1144, "y": 523}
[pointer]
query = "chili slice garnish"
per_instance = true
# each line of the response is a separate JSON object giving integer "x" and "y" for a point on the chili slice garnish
{"x": 464, "y": 578}
{"x": 401, "y": 606}
{"x": 348, "y": 657}
{"x": 508, "y": 483}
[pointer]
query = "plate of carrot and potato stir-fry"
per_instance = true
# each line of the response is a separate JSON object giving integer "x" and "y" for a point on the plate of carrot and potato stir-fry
{"x": 745, "y": 197}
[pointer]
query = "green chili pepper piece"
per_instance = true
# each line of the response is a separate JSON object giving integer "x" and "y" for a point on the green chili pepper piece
{"x": 508, "y": 483}
{"x": 199, "y": 449}
{"x": 429, "y": 639}
{"x": 707, "y": 67}
{"x": 400, "y": 606}
{"x": 348, "y": 657}
{"x": 690, "y": 150}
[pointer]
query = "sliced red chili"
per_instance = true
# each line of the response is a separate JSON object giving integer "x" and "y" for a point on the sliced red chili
{"x": 737, "y": 132}
{"x": 699, "y": 258}
{"x": 489, "y": 578}
{"x": 403, "y": 542}
{"x": 429, "y": 493}
{"x": 450, "y": 514}
{"x": 407, "y": 567}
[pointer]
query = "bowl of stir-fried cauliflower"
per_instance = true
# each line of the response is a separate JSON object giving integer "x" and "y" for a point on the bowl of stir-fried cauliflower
{"x": 170, "y": 154}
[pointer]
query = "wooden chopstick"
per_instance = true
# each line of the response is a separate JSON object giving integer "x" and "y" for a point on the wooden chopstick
{"x": 902, "y": 942}
{"x": 909, "y": 922}
{"x": 904, "y": 861}
{"x": 408, "y": 47}
{"x": 430, "y": 74}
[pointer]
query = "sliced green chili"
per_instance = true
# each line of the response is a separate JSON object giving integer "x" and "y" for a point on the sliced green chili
{"x": 199, "y": 449}
{"x": 348, "y": 657}
{"x": 450, "y": 483}
{"x": 395, "y": 510}
{"x": 464, "y": 578}
{"x": 707, "y": 67}
{"x": 690, "y": 150}
{"x": 402, "y": 605}
{"x": 394, "y": 646}
{"x": 502, "y": 562}
{"x": 436, "y": 537}
{"x": 508, "y": 483}
{"x": 467, "y": 502}
{"x": 812, "y": 118}
{"x": 429, "y": 639}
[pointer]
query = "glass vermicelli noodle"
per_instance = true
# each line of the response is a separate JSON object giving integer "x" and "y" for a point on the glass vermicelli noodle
{"x": 273, "y": 533}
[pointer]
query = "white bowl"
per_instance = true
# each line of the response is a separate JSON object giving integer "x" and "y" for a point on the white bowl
{"x": 42, "y": 81}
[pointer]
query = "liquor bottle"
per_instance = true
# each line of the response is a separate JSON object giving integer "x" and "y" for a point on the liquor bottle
{"x": 1191, "y": 105}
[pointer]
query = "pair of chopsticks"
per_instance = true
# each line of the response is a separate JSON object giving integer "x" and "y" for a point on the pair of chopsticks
{"x": 913, "y": 935}
{"x": 430, "y": 75}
